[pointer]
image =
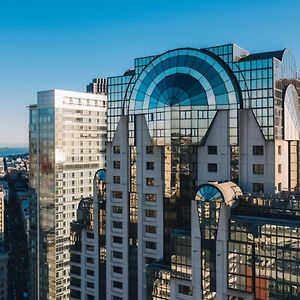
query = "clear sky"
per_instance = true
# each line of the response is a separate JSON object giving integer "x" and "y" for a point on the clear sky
{"x": 66, "y": 43}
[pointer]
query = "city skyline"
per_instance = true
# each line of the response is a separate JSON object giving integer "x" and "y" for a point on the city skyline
{"x": 63, "y": 46}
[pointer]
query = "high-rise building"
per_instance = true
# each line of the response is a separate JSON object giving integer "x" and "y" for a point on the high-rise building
{"x": 88, "y": 248}
{"x": 97, "y": 86}
{"x": 67, "y": 146}
{"x": 2, "y": 215}
{"x": 191, "y": 131}
{"x": 3, "y": 270}
{"x": 3, "y": 252}
{"x": 83, "y": 273}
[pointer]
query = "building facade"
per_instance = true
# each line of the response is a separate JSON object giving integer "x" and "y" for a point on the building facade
{"x": 88, "y": 248}
{"x": 3, "y": 271}
{"x": 83, "y": 273}
{"x": 2, "y": 213}
{"x": 67, "y": 146}
{"x": 97, "y": 86}
{"x": 190, "y": 131}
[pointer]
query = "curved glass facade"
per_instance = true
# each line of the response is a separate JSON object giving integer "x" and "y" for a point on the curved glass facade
{"x": 208, "y": 193}
{"x": 195, "y": 116}
{"x": 183, "y": 77}
{"x": 203, "y": 81}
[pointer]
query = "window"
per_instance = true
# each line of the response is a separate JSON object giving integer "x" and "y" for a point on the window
{"x": 117, "y": 298}
{"x": 117, "y": 224}
{"x": 117, "y": 179}
{"x": 117, "y": 254}
{"x": 150, "y": 213}
{"x": 89, "y": 272}
{"x": 74, "y": 270}
{"x": 90, "y": 235}
{"x": 258, "y": 150}
{"x": 117, "y": 284}
{"x": 116, "y": 149}
{"x": 90, "y": 260}
{"x": 74, "y": 294}
{"x": 150, "y": 229}
{"x": 117, "y": 209}
{"x": 279, "y": 187}
{"x": 150, "y": 181}
{"x": 150, "y": 165}
{"x": 150, "y": 197}
{"x": 279, "y": 168}
{"x": 117, "y": 164}
{"x": 212, "y": 150}
{"x": 90, "y": 247}
{"x": 90, "y": 285}
{"x": 118, "y": 270}
{"x": 149, "y": 149}
{"x": 151, "y": 245}
{"x": 117, "y": 239}
{"x": 279, "y": 150}
{"x": 212, "y": 168}
{"x": 117, "y": 195}
{"x": 258, "y": 169}
{"x": 185, "y": 289}
{"x": 90, "y": 297}
{"x": 150, "y": 260}
{"x": 258, "y": 187}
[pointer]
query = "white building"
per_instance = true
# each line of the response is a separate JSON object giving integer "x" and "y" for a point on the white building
{"x": 67, "y": 146}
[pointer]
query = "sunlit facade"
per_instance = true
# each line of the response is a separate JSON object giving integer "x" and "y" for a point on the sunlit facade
{"x": 177, "y": 121}
{"x": 67, "y": 147}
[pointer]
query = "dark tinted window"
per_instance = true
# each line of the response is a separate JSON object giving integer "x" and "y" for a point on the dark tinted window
{"x": 212, "y": 167}
{"x": 212, "y": 149}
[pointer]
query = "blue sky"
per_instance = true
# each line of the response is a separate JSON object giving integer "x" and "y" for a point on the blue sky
{"x": 64, "y": 44}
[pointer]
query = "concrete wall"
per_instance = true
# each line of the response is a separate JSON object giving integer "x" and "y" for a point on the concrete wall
{"x": 217, "y": 136}
{"x": 120, "y": 139}
{"x": 251, "y": 135}
{"x": 143, "y": 139}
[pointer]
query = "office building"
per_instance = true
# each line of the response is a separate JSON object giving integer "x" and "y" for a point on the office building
{"x": 97, "y": 86}
{"x": 67, "y": 146}
{"x": 195, "y": 138}
{"x": 3, "y": 271}
{"x": 88, "y": 249}
{"x": 83, "y": 273}
{"x": 2, "y": 215}
{"x": 3, "y": 251}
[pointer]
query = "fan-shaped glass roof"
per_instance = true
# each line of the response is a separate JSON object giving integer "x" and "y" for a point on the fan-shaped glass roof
{"x": 209, "y": 193}
{"x": 186, "y": 77}
{"x": 101, "y": 174}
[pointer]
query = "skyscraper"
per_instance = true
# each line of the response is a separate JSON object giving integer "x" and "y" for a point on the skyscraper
{"x": 97, "y": 86}
{"x": 2, "y": 215}
{"x": 189, "y": 132}
{"x": 88, "y": 248}
{"x": 67, "y": 146}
